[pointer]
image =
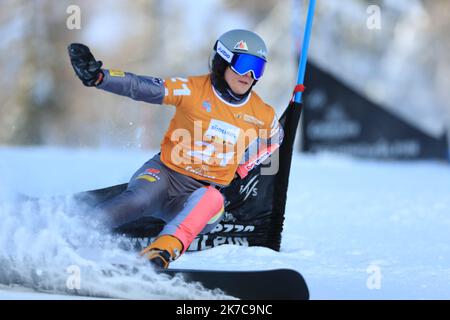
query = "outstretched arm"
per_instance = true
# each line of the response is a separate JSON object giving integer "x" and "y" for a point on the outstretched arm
{"x": 139, "y": 88}
{"x": 89, "y": 71}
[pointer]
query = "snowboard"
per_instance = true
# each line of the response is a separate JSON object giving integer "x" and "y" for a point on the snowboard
{"x": 277, "y": 284}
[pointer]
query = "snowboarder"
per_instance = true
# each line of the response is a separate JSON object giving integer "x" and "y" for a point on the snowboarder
{"x": 209, "y": 141}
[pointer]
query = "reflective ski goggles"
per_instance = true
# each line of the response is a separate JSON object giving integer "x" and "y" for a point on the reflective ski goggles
{"x": 243, "y": 63}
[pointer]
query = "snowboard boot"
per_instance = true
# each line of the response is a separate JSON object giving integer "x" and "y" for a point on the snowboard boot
{"x": 163, "y": 251}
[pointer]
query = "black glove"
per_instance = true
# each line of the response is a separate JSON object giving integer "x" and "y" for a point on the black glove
{"x": 86, "y": 67}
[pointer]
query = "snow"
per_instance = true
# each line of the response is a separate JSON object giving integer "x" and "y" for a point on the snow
{"x": 355, "y": 229}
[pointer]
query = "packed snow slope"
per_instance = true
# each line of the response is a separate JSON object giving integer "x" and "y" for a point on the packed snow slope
{"x": 355, "y": 229}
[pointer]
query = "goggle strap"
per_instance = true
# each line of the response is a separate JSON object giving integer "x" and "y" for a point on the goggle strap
{"x": 226, "y": 54}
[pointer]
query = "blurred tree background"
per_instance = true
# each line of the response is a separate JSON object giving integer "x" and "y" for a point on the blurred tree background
{"x": 404, "y": 65}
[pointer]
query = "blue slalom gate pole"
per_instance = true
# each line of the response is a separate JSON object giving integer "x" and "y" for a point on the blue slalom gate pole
{"x": 305, "y": 47}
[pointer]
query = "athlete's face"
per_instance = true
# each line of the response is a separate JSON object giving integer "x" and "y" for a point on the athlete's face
{"x": 239, "y": 84}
